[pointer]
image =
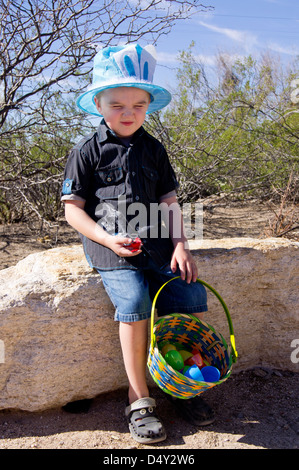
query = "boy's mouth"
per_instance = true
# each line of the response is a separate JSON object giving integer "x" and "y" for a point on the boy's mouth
{"x": 127, "y": 123}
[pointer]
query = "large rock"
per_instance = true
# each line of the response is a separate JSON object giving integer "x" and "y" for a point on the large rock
{"x": 258, "y": 279}
{"x": 59, "y": 342}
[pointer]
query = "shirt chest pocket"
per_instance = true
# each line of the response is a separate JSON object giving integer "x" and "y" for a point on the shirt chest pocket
{"x": 110, "y": 183}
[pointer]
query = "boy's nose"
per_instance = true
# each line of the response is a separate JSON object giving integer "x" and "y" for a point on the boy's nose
{"x": 127, "y": 112}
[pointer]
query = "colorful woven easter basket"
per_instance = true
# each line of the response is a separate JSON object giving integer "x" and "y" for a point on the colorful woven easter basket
{"x": 190, "y": 332}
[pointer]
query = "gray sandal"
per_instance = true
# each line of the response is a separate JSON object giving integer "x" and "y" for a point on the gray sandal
{"x": 144, "y": 424}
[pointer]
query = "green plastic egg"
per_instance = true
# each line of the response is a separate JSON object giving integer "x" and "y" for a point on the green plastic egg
{"x": 174, "y": 359}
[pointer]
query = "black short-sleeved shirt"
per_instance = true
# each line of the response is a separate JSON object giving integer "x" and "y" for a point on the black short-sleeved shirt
{"x": 114, "y": 178}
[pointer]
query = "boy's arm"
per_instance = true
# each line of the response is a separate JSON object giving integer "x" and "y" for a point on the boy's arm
{"x": 181, "y": 256}
{"x": 83, "y": 223}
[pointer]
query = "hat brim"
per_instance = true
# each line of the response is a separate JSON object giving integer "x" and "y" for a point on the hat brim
{"x": 159, "y": 97}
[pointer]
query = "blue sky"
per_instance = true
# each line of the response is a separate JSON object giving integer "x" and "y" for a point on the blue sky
{"x": 236, "y": 28}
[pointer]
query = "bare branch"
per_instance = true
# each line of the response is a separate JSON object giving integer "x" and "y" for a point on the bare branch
{"x": 46, "y": 52}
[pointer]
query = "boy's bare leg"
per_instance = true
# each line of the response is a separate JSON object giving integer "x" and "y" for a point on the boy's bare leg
{"x": 133, "y": 339}
{"x": 200, "y": 315}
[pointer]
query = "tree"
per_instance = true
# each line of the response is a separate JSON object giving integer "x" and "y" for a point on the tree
{"x": 46, "y": 53}
{"x": 236, "y": 133}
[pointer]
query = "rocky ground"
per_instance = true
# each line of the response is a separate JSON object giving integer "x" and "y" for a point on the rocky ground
{"x": 256, "y": 409}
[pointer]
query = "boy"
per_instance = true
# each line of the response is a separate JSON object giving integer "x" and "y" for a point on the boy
{"x": 109, "y": 174}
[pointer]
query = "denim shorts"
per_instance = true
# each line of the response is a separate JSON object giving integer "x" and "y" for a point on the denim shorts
{"x": 132, "y": 291}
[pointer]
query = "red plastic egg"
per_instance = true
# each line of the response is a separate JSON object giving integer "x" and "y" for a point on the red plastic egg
{"x": 195, "y": 359}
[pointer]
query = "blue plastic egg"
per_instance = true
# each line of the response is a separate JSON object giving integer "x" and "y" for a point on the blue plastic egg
{"x": 210, "y": 374}
{"x": 194, "y": 373}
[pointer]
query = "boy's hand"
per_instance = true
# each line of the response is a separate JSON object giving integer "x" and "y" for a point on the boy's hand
{"x": 134, "y": 245}
{"x": 83, "y": 223}
{"x": 122, "y": 246}
{"x": 183, "y": 259}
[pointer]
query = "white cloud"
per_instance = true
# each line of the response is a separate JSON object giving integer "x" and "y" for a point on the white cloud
{"x": 289, "y": 50}
{"x": 166, "y": 58}
{"x": 206, "y": 59}
{"x": 246, "y": 38}
{"x": 250, "y": 42}
{"x": 277, "y": 2}
{"x": 170, "y": 60}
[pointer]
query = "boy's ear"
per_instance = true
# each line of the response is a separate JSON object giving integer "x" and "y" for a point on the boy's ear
{"x": 98, "y": 104}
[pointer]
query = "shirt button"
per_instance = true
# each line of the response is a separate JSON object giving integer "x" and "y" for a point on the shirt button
{"x": 133, "y": 173}
{"x": 137, "y": 198}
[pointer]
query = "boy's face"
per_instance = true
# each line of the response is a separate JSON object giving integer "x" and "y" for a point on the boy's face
{"x": 123, "y": 109}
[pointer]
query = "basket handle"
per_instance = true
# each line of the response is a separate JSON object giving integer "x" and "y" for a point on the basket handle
{"x": 230, "y": 324}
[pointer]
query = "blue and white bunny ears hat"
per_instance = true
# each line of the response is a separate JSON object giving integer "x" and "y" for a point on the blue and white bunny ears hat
{"x": 124, "y": 66}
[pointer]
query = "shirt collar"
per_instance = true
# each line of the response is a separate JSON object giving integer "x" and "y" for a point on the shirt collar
{"x": 105, "y": 133}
